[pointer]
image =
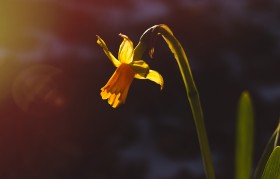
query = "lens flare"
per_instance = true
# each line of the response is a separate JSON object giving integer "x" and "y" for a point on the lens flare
{"x": 35, "y": 89}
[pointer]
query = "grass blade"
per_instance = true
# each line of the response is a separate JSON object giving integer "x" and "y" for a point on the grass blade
{"x": 244, "y": 137}
{"x": 267, "y": 151}
{"x": 272, "y": 168}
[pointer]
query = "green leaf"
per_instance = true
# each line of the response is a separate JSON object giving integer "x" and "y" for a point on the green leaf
{"x": 272, "y": 168}
{"x": 272, "y": 143}
{"x": 244, "y": 137}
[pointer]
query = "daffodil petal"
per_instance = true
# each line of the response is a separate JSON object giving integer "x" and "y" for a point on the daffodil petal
{"x": 126, "y": 50}
{"x": 140, "y": 67}
{"x": 107, "y": 52}
{"x": 153, "y": 76}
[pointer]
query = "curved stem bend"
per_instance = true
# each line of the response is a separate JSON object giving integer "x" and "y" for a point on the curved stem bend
{"x": 146, "y": 42}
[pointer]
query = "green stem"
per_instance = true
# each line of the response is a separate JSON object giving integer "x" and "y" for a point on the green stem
{"x": 191, "y": 90}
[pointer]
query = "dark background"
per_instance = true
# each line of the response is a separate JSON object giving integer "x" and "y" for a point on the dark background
{"x": 54, "y": 124}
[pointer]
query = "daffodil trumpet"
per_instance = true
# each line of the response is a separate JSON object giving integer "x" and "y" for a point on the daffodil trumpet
{"x": 128, "y": 68}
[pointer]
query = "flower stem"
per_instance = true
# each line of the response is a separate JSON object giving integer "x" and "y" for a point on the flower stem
{"x": 191, "y": 90}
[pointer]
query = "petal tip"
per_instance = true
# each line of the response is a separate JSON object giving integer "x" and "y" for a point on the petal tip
{"x": 123, "y": 36}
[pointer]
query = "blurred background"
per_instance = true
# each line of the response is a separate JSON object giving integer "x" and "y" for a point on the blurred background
{"x": 54, "y": 124}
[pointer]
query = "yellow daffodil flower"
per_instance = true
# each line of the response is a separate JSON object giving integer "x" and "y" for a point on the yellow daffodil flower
{"x": 128, "y": 68}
